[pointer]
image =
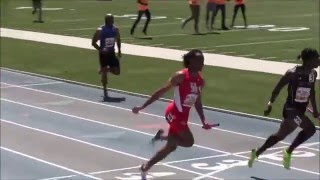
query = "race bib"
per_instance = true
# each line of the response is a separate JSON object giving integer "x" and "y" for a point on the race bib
{"x": 302, "y": 94}
{"x": 109, "y": 42}
{"x": 190, "y": 100}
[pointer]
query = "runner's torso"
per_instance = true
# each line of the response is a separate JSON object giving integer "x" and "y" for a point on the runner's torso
{"x": 186, "y": 93}
{"x": 299, "y": 88}
{"x": 108, "y": 38}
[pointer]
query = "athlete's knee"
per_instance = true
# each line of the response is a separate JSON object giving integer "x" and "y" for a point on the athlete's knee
{"x": 189, "y": 143}
{"x": 310, "y": 131}
{"x": 172, "y": 148}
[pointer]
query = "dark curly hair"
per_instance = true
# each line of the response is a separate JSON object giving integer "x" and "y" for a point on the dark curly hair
{"x": 194, "y": 53}
{"x": 308, "y": 54}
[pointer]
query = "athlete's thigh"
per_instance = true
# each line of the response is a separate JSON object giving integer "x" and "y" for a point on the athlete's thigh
{"x": 288, "y": 125}
{"x": 147, "y": 13}
{"x": 114, "y": 64}
{"x": 243, "y": 9}
{"x": 306, "y": 122}
{"x": 236, "y": 8}
{"x": 103, "y": 60}
{"x": 195, "y": 10}
{"x": 186, "y": 135}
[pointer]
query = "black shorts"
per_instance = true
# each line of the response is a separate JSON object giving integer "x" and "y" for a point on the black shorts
{"x": 109, "y": 59}
{"x": 36, "y": 3}
{"x": 294, "y": 115}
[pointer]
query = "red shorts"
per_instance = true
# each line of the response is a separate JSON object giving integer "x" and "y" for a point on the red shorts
{"x": 178, "y": 121}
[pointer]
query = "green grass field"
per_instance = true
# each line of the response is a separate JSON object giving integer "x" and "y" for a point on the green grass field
{"x": 81, "y": 18}
{"x": 225, "y": 88}
{"x": 236, "y": 90}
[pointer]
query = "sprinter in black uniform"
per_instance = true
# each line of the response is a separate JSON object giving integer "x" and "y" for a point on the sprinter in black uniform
{"x": 301, "y": 88}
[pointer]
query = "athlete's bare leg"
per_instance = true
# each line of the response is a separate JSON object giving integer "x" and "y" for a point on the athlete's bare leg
{"x": 308, "y": 130}
{"x": 183, "y": 139}
{"x": 286, "y": 128}
{"x": 170, "y": 146}
{"x": 104, "y": 80}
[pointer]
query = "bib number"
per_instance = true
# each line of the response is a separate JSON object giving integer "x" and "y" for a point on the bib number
{"x": 169, "y": 118}
{"x": 297, "y": 120}
{"x": 302, "y": 95}
{"x": 109, "y": 42}
{"x": 190, "y": 100}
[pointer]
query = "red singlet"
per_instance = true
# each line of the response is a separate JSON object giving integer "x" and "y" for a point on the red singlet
{"x": 185, "y": 95}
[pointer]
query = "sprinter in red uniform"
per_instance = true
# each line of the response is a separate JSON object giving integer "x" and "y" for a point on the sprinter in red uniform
{"x": 187, "y": 84}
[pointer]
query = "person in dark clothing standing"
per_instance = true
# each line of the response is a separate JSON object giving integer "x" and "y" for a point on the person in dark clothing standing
{"x": 239, "y": 5}
{"x": 37, "y": 7}
{"x": 143, "y": 8}
{"x": 221, "y": 5}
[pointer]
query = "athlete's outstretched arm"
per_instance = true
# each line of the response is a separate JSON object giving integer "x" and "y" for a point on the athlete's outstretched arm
{"x": 283, "y": 81}
{"x": 95, "y": 39}
{"x": 173, "y": 81}
{"x": 118, "y": 39}
{"x": 199, "y": 109}
{"x": 313, "y": 100}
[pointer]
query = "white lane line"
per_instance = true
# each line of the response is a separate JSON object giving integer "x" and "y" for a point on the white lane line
{"x": 266, "y": 58}
{"x": 29, "y": 85}
{"x": 264, "y": 42}
{"x": 115, "y": 170}
{"x": 203, "y": 147}
{"x": 68, "y": 20}
{"x": 58, "y": 177}
{"x": 231, "y": 62}
{"x": 173, "y": 46}
{"x": 311, "y": 144}
{"x": 247, "y": 55}
{"x": 280, "y": 165}
{"x": 155, "y": 36}
{"x": 101, "y": 123}
{"x": 49, "y": 163}
{"x": 155, "y": 45}
{"x": 228, "y": 52}
{"x": 193, "y": 159}
{"x": 125, "y": 26}
{"x": 97, "y": 146}
{"x": 130, "y": 93}
{"x": 92, "y": 173}
{"x": 144, "y": 113}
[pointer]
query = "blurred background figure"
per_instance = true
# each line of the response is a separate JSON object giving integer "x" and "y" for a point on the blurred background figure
{"x": 221, "y": 5}
{"x": 143, "y": 8}
{"x": 239, "y": 4}
{"x": 211, "y": 7}
{"x": 195, "y": 14}
{"x": 37, "y": 7}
